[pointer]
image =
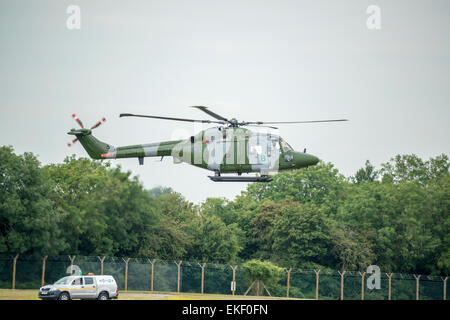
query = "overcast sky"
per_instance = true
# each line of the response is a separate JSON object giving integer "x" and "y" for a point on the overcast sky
{"x": 253, "y": 60}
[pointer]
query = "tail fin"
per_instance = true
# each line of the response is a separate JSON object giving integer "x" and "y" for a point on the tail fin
{"x": 94, "y": 147}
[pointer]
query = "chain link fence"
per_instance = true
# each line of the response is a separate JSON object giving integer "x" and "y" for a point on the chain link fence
{"x": 140, "y": 274}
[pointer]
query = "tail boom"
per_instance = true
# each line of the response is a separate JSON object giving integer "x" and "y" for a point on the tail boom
{"x": 100, "y": 150}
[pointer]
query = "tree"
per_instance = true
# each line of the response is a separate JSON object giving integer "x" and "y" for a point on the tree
{"x": 29, "y": 220}
{"x": 219, "y": 207}
{"x": 321, "y": 185}
{"x": 244, "y": 209}
{"x": 173, "y": 238}
{"x": 261, "y": 274}
{"x": 106, "y": 211}
{"x": 262, "y": 227}
{"x": 366, "y": 174}
{"x": 157, "y": 192}
{"x": 438, "y": 226}
{"x": 352, "y": 248}
{"x": 313, "y": 218}
{"x": 398, "y": 220}
{"x": 412, "y": 168}
{"x": 176, "y": 207}
{"x": 213, "y": 240}
{"x": 301, "y": 236}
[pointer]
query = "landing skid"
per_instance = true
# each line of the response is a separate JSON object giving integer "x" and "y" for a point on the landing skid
{"x": 217, "y": 178}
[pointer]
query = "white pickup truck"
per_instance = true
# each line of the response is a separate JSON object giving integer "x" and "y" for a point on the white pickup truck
{"x": 81, "y": 287}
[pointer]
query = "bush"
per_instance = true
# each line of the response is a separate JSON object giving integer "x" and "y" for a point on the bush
{"x": 260, "y": 274}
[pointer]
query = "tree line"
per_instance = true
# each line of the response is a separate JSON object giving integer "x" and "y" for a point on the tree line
{"x": 396, "y": 217}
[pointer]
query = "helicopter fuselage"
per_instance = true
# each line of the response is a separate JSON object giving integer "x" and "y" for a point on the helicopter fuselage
{"x": 220, "y": 149}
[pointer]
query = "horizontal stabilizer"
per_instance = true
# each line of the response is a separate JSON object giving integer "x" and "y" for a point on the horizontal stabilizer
{"x": 80, "y": 132}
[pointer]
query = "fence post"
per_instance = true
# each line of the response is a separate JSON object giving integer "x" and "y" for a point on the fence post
{"x": 342, "y": 284}
{"x": 417, "y": 286}
{"x": 43, "y": 270}
{"x": 152, "y": 275}
{"x": 389, "y": 285}
{"x": 203, "y": 275}
{"x": 126, "y": 273}
{"x": 362, "y": 284}
{"x": 14, "y": 271}
{"x": 288, "y": 282}
{"x": 317, "y": 283}
{"x": 101, "y": 264}
{"x": 72, "y": 259}
{"x": 234, "y": 279}
{"x": 178, "y": 275}
{"x": 444, "y": 297}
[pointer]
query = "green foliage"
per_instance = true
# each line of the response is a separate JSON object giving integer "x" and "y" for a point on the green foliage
{"x": 29, "y": 220}
{"x": 396, "y": 217}
{"x": 350, "y": 247}
{"x": 412, "y": 168}
{"x": 173, "y": 237}
{"x": 302, "y": 236}
{"x": 401, "y": 222}
{"x": 157, "y": 192}
{"x": 263, "y": 272}
{"x": 322, "y": 185}
{"x": 262, "y": 226}
{"x": 219, "y": 207}
{"x": 107, "y": 211}
{"x": 214, "y": 241}
{"x": 366, "y": 174}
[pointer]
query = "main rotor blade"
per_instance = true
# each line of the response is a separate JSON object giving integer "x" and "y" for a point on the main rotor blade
{"x": 168, "y": 118}
{"x": 259, "y": 126}
{"x": 288, "y": 122}
{"x": 212, "y": 114}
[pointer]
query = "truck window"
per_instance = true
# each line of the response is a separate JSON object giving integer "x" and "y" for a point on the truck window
{"x": 77, "y": 282}
{"x": 88, "y": 281}
{"x": 64, "y": 280}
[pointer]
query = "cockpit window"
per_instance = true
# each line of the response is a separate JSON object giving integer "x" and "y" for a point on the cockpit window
{"x": 285, "y": 146}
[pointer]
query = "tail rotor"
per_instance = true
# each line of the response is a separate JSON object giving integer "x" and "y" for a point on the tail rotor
{"x": 96, "y": 125}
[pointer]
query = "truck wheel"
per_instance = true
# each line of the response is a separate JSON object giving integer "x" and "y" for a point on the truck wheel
{"x": 64, "y": 296}
{"x": 103, "y": 296}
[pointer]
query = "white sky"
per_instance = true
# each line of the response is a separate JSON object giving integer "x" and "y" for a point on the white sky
{"x": 253, "y": 60}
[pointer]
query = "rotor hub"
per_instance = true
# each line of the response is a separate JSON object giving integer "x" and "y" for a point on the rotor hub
{"x": 234, "y": 122}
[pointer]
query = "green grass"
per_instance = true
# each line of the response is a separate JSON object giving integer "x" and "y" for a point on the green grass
{"x": 19, "y": 294}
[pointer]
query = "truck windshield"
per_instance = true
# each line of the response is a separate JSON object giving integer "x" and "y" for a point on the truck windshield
{"x": 64, "y": 280}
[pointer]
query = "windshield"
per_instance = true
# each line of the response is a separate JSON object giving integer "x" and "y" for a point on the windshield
{"x": 64, "y": 280}
{"x": 285, "y": 146}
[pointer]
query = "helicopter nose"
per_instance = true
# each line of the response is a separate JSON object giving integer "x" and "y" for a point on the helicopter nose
{"x": 312, "y": 160}
{"x": 305, "y": 160}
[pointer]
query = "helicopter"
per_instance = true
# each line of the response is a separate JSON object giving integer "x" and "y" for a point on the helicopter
{"x": 228, "y": 148}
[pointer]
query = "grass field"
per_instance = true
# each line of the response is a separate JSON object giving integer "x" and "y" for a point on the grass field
{"x": 18, "y": 294}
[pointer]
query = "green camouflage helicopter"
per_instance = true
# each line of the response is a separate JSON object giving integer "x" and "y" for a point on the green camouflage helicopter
{"x": 227, "y": 148}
